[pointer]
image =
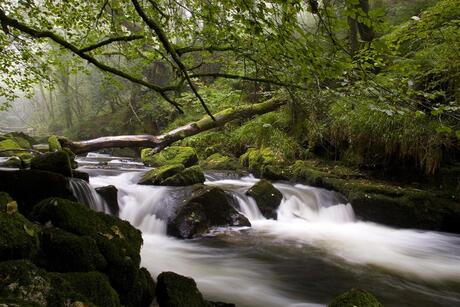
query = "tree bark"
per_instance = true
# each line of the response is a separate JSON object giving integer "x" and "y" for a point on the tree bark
{"x": 159, "y": 142}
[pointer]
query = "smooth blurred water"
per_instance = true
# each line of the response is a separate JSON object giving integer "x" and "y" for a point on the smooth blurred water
{"x": 314, "y": 251}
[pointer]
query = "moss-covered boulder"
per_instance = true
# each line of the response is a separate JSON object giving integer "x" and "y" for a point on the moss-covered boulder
{"x": 28, "y": 187}
{"x": 219, "y": 162}
{"x": 207, "y": 208}
{"x": 110, "y": 195}
{"x": 24, "y": 140}
{"x": 267, "y": 197}
{"x": 265, "y": 163}
{"x": 12, "y": 162}
{"x": 54, "y": 144}
{"x": 174, "y": 290}
{"x": 57, "y": 162}
{"x": 80, "y": 175}
{"x": 173, "y": 175}
{"x": 170, "y": 155}
{"x": 143, "y": 290}
{"x": 94, "y": 287}
{"x": 355, "y": 298}
{"x": 9, "y": 147}
{"x": 117, "y": 241}
{"x": 18, "y": 236}
{"x": 63, "y": 251}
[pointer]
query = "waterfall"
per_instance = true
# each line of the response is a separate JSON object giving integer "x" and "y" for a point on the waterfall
{"x": 86, "y": 194}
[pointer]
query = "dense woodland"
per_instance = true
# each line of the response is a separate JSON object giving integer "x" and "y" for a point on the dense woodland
{"x": 346, "y": 112}
{"x": 370, "y": 83}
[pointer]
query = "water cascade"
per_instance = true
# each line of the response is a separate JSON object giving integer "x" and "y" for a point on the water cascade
{"x": 86, "y": 194}
{"x": 316, "y": 248}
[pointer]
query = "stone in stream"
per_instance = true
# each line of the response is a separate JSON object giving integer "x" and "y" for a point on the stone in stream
{"x": 170, "y": 155}
{"x": 207, "y": 208}
{"x": 355, "y": 298}
{"x": 267, "y": 197}
{"x": 174, "y": 290}
{"x": 80, "y": 175}
{"x": 110, "y": 195}
{"x": 173, "y": 175}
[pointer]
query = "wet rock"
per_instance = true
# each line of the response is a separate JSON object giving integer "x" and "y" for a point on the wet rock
{"x": 355, "y": 298}
{"x": 57, "y": 162}
{"x": 110, "y": 195}
{"x": 174, "y": 290}
{"x": 28, "y": 187}
{"x": 267, "y": 197}
{"x": 13, "y": 162}
{"x": 173, "y": 175}
{"x": 219, "y": 162}
{"x": 142, "y": 292}
{"x": 207, "y": 208}
{"x": 116, "y": 240}
{"x": 170, "y": 155}
{"x": 63, "y": 251}
{"x": 18, "y": 236}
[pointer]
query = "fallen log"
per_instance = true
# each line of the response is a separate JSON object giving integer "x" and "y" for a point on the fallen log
{"x": 159, "y": 142}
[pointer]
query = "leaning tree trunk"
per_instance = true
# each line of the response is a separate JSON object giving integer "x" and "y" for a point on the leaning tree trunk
{"x": 158, "y": 142}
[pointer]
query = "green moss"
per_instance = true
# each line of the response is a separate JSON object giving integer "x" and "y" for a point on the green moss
{"x": 178, "y": 291}
{"x": 24, "y": 140}
{"x": 256, "y": 160}
{"x": 6, "y": 145}
{"x": 355, "y": 298}
{"x": 18, "y": 236}
{"x": 267, "y": 197}
{"x": 63, "y": 251}
{"x": 57, "y": 162}
{"x": 94, "y": 286}
{"x": 117, "y": 240}
{"x": 143, "y": 291}
{"x": 170, "y": 155}
{"x": 189, "y": 176}
{"x": 54, "y": 144}
{"x": 219, "y": 162}
{"x": 158, "y": 175}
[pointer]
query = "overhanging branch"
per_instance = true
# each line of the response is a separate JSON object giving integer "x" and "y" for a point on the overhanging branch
{"x": 111, "y": 40}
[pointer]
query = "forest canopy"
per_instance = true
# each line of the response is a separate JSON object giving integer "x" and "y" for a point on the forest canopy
{"x": 370, "y": 82}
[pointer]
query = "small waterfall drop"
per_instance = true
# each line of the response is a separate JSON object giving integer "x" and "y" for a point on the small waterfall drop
{"x": 86, "y": 194}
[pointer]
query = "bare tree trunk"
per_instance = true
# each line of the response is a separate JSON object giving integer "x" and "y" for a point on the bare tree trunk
{"x": 158, "y": 142}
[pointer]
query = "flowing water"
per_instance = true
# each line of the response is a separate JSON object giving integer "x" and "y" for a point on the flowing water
{"x": 315, "y": 250}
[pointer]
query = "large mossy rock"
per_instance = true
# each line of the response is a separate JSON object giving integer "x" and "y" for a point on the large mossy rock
{"x": 267, "y": 197}
{"x": 265, "y": 163}
{"x": 54, "y": 144}
{"x": 174, "y": 290}
{"x": 22, "y": 139}
{"x": 173, "y": 175}
{"x": 22, "y": 281}
{"x": 117, "y": 241}
{"x": 18, "y": 236}
{"x": 63, "y": 251}
{"x": 28, "y": 187}
{"x": 219, "y": 162}
{"x": 355, "y": 298}
{"x": 170, "y": 155}
{"x": 207, "y": 208}
{"x": 57, "y": 162}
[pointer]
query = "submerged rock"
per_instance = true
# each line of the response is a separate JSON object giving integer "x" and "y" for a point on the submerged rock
{"x": 173, "y": 175}
{"x": 267, "y": 197}
{"x": 219, "y": 162}
{"x": 57, "y": 162}
{"x": 170, "y": 155}
{"x": 355, "y": 298}
{"x": 28, "y": 187}
{"x": 207, "y": 208}
{"x": 18, "y": 236}
{"x": 110, "y": 195}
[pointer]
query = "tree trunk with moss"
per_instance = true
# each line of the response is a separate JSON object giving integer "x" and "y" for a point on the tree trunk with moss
{"x": 158, "y": 142}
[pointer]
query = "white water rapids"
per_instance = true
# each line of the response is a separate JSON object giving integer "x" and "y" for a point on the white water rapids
{"x": 315, "y": 250}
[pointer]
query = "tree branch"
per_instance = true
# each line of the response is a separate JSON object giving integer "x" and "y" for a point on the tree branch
{"x": 239, "y": 77}
{"x": 183, "y": 50}
{"x": 111, "y": 40}
{"x": 7, "y": 21}
{"x": 170, "y": 49}
{"x": 159, "y": 142}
